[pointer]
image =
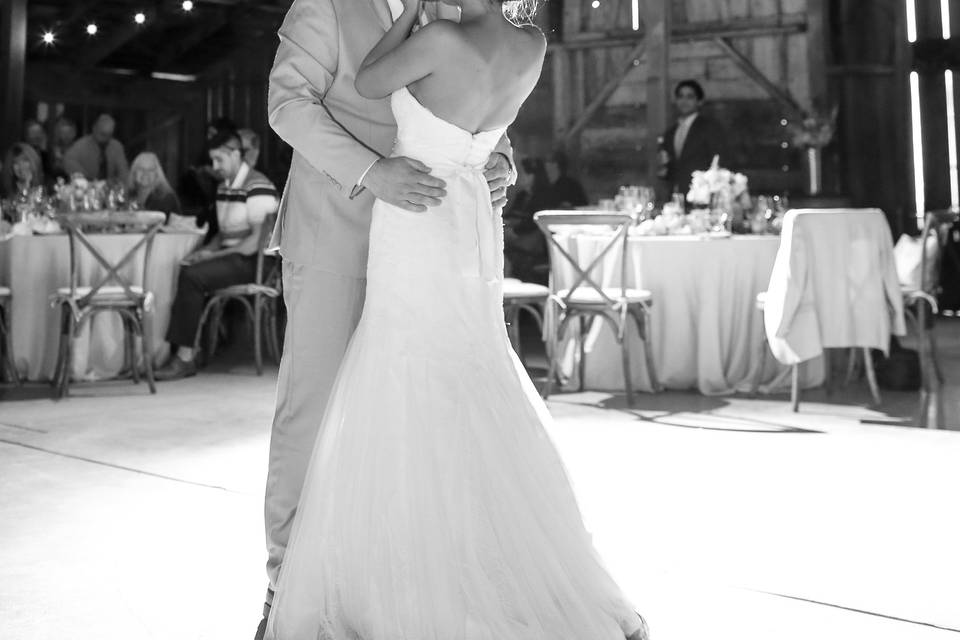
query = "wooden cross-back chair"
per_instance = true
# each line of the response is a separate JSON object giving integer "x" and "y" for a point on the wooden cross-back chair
{"x": 260, "y": 300}
{"x": 112, "y": 292}
{"x": 586, "y": 299}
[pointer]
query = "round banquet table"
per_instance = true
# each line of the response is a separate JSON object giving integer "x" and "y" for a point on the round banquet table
{"x": 706, "y": 329}
{"x": 34, "y": 267}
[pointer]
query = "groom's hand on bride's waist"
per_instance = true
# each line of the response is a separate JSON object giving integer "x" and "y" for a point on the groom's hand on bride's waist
{"x": 497, "y": 172}
{"x": 405, "y": 183}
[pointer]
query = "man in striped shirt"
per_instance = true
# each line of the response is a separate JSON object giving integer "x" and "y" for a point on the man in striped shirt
{"x": 245, "y": 198}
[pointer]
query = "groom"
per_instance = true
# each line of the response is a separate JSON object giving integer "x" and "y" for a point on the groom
{"x": 341, "y": 142}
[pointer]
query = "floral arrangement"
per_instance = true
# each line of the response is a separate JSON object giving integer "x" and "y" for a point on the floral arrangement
{"x": 80, "y": 194}
{"x": 815, "y": 130}
{"x": 717, "y": 186}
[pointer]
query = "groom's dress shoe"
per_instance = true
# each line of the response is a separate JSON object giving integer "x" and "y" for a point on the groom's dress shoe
{"x": 176, "y": 369}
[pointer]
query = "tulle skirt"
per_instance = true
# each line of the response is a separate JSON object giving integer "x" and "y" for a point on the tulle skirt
{"x": 436, "y": 507}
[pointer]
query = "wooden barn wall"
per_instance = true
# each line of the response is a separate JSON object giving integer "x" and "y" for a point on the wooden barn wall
{"x": 611, "y": 151}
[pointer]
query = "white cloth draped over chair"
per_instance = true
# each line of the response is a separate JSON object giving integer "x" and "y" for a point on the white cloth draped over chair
{"x": 834, "y": 284}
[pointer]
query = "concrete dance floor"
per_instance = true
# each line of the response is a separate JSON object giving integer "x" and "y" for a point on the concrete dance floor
{"x": 126, "y": 517}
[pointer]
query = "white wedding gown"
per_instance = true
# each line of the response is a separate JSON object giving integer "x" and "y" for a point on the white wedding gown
{"x": 435, "y": 506}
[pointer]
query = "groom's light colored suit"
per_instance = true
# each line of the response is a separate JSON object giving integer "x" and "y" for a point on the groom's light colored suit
{"x": 323, "y": 224}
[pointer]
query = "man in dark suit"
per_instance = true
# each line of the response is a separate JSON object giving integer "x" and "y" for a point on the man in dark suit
{"x": 691, "y": 142}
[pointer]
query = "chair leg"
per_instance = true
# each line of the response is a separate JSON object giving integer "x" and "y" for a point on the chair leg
{"x": 625, "y": 360}
{"x": 582, "y": 353}
{"x": 934, "y": 358}
{"x": 795, "y": 388}
{"x": 73, "y": 328}
{"x": 871, "y": 375}
{"x": 130, "y": 341}
{"x": 762, "y": 357}
{"x": 274, "y": 331}
{"x": 9, "y": 361}
{"x": 257, "y": 314}
{"x": 146, "y": 346}
{"x": 553, "y": 355}
{"x": 643, "y": 330}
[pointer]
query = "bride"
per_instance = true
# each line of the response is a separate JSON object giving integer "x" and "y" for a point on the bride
{"x": 435, "y": 506}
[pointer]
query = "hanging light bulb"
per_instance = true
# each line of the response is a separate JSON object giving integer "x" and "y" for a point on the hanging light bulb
{"x": 48, "y": 37}
{"x": 140, "y": 17}
{"x": 595, "y": 4}
{"x": 91, "y": 29}
{"x": 187, "y": 5}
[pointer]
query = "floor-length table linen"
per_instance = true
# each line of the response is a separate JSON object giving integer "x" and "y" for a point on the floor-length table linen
{"x": 34, "y": 267}
{"x": 706, "y": 329}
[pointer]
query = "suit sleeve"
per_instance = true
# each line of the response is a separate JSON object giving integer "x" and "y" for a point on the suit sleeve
{"x": 303, "y": 71}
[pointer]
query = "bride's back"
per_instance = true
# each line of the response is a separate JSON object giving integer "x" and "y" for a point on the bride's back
{"x": 486, "y": 70}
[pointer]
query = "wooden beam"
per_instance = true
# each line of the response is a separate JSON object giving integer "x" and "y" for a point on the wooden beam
{"x": 13, "y": 57}
{"x": 777, "y": 93}
{"x": 689, "y": 32}
{"x": 604, "y": 94}
{"x": 112, "y": 42}
{"x": 818, "y": 56}
{"x": 181, "y": 46}
{"x": 657, "y": 19}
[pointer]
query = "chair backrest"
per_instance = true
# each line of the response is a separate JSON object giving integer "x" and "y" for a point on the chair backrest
{"x": 614, "y": 227}
{"x": 266, "y": 231}
{"x": 77, "y": 225}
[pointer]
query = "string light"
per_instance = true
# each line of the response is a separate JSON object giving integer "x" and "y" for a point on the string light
{"x": 187, "y": 5}
{"x": 92, "y": 29}
{"x": 140, "y": 17}
{"x": 595, "y": 4}
{"x": 48, "y": 37}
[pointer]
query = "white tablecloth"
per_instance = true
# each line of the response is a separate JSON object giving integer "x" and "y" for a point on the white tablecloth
{"x": 706, "y": 329}
{"x": 34, "y": 267}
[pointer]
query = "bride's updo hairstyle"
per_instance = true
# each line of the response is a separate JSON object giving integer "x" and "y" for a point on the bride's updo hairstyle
{"x": 520, "y": 12}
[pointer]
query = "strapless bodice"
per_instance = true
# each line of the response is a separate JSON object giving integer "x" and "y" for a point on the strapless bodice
{"x": 441, "y": 145}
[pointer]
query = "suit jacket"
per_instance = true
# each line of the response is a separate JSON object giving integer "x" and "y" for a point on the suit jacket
{"x": 834, "y": 284}
{"x": 336, "y": 134}
{"x": 704, "y": 140}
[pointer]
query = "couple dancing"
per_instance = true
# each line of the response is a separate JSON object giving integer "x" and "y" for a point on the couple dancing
{"x": 428, "y": 503}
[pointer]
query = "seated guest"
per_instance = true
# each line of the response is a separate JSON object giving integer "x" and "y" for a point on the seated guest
{"x": 244, "y": 199}
{"x": 148, "y": 185}
{"x": 524, "y": 247}
{"x": 198, "y": 184}
{"x": 98, "y": 156}
{"x": 22, "y": 170}
{"x": 565, "y": 191}
{"x": 691, "y": 142}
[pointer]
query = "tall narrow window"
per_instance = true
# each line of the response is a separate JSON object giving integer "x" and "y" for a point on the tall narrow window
{"x": 911, "y": 21}
{"x": 945, "y": 18}
{"x": 952, "y": 141}
{"x": 918, "y": 183}
{"x": 635, "y": 15}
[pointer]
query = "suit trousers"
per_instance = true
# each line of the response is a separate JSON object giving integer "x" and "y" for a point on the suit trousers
{"x": 323, "y": 310}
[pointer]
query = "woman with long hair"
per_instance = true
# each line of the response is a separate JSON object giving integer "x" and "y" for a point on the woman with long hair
{"x": 22, "y": 170}
{"x": 148, "y": 185}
